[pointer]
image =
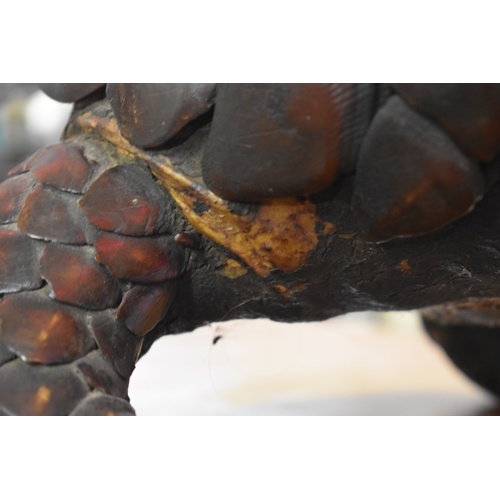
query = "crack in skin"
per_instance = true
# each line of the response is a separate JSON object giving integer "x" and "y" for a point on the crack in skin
{"x": 281, "y": 235}
{"x": 373, "y": 268}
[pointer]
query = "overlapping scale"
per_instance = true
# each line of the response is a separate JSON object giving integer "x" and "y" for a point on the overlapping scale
{"x": 411, "y": 179}
{"x": 126, "y": 200}
{"x": 13, "y": 193}
{"x": 273, "y": 140}
{"x": 52, "y": 215}
{"x": 102, "y": 405}
{"x": 116, "y": 342}
{"x": 143, "y": 307}
{"x": 41, "y": 331}
{"x": 80, "y": 281}
{"x": 62, "y": 166}
{"x": 27, "y": 389}
{"x": 140, "y": 260}
{"x": 100, "y": 375}
{"x": 469, "y": 112}
{"x": 151, "y": 113}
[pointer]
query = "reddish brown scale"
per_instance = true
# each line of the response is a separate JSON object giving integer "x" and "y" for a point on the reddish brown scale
{"x": 101, "y": 405}
{"x": 76, "y": 279}
{"x": 13, "y": 193}
{"x": 283, "y": 139}
{"x": 58, "y": 165}
{"x": 100, "y": 375}
{"x": 126, "y": 200}
{"x": 5, "y": 354}
{"x": 411, "y": 178}
{"x": 469, "y": 112}
{"x": 141, "y": 260}
{"x": 151, "y": 113}
{"x": 62, "y": 166}
{"x": 143, "y": 307}
{"x": 39, "y": 390}
{"x": 69, "y": 92}
{"x": 19, "y": 266}
{"x": 42, "y": 331}
{"x": 50, "y": 214}
{"x": 116, "y": 342}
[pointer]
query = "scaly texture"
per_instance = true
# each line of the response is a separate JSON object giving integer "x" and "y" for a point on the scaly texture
{"x": 73, "y": 318}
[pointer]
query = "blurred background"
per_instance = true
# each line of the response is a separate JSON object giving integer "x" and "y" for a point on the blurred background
{"x": 358, "y": 364}
{"x": 29, "y": 120}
